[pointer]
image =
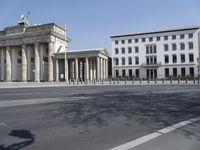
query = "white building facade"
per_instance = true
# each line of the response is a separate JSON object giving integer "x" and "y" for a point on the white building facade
{"x": 157, "y": 54}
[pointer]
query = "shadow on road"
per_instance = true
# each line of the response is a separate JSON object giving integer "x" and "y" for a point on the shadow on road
{"x": 155, "y": 110}
{"x": 21, "y": 134}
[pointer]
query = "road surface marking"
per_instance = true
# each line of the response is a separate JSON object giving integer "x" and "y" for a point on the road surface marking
{"x": 154, "y": 135}
{"x": 39, "y": 101}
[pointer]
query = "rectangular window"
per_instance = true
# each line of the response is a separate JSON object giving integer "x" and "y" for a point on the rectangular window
{"x": 129, "y": 41}
{"x": 174, "y": 46}
{"x": 116, "y": 61}
{"x": 191, "y": 58}
{"x": 116, "y": 42}
{"x": 117, "y": 73}
{"x": 45, "y": 59}
{"x": 136, "y": 49}
{"x": 191, "y": 72}
{"x": 123, "y": 41}
{"x": 166, "y": 47}
{"x": 183, "y": 72}
{"x": 143, "y": 39}
{"x": 182, "y": 58}
{"x": 130, "y": 50}
{"x": 182, "y": 36}
{"x": 165, "y": 37}
{"x": 147, "y": 49}
{"x": 174, "y": 58}
{"x": 166, "y": 59}
{"x": 182, "y": 46}
{"x": 123, "y": 73}
{"x": 191, "y": 46}
{"x": 137, "y": 73}
{"x": 33, "y": 60}
{"x": 175, "y": 72}
{"x": 190, "y": 35}
{"x": 136, "y": 60}
{"x": 173, "y": 37}
{"x": 130, "y": 60}
{"x": 155, "y": 49}
{"x": 123, "y": 50}
{"x": 123, "y": 61}
{"x": 130, "y": 73}
{"x": 116, "y": 51}
{"x": 19, "y": 61}
{"x": 136, "y": 40}
{"x": 158, "y": 38}
{"x": 166, "y": 72}
{"x": 150, "y": 39}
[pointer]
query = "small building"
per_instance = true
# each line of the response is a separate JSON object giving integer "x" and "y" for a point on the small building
{"x": 90, "y": 64}
{"x": 157, "y": 54}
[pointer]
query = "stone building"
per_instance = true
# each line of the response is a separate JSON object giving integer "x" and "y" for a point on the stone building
{"x": 26, "y": 52}
{"x": 38, "y": 52}
{"x": 83, "y": 64}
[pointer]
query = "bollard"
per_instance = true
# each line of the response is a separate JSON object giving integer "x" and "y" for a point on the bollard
{"x": 69, "y": 81}
{"x": 155, "y": 80}
{"x": 81, "y": 81}
{"x": 178, "y": 80}
{"x": 163, "y": 81}
{"x": 110, "y": 81}
{"x": 148, "y": 80}
{"x": 118, "y": 81}
{"x": 133, "y": 81}
{"x": 102, "y": 81}
{"x": 125, "y": 81}
{"x": 186, "y": 80}
{"x": 194, "y": 80}
{"x": 113, "y": 81}
{"x": 171, "y": 80}
{"x": 140, "y": 81}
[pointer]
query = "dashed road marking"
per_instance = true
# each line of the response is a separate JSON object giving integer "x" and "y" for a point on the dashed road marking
{"x": 154, "y": 135}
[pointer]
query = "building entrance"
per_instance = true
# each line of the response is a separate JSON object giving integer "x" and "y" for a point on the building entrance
{"x": 151, "y": 74}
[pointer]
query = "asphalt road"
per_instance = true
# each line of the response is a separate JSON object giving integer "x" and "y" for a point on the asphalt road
{"x": 100, "y": 117}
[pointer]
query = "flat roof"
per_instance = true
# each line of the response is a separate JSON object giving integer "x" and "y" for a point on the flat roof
{"x": 157, "y": 31}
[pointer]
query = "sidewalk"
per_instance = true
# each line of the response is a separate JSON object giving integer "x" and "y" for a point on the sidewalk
{"x": 4, "y": 85}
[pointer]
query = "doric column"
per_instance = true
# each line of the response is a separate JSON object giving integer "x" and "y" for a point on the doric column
{"x": 50, "y": 62}
{"x": 8, "y": 64}
{"x": 2, "y": 64}
{"x": 98, "y": 68}
{"x": 37, "y": 63}
{"x": 42, "y": 49}
{"x": 90, "y": 66}
{"x": 95, "y": 69}
{"x": 101, "y": 70}
{"x": 106, "y": 68}
{"x": 57, "y": 70}
{"x": 76, "y": 68}
{"x": 24, "y": 63}
{"x": 66, "y": 70}
{"x": 14, "y": 69}
{"x": 28, "y": 63}
{"x": 86, "y": 68}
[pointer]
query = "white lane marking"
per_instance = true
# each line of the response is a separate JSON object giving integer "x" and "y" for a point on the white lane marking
{"x": 154, "y": 135}
{"x": 2, "y": 124}
{"x": 38, "y": 101}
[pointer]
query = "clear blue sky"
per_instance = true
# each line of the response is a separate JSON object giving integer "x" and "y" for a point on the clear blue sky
{"x": 90, "y": 23}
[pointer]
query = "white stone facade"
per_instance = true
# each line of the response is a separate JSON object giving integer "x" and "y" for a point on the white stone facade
{"x": 148, "y": 52}
{"x": 26, "y": 52}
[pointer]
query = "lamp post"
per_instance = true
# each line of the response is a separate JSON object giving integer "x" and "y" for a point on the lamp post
{"x": 65, "y": 48}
